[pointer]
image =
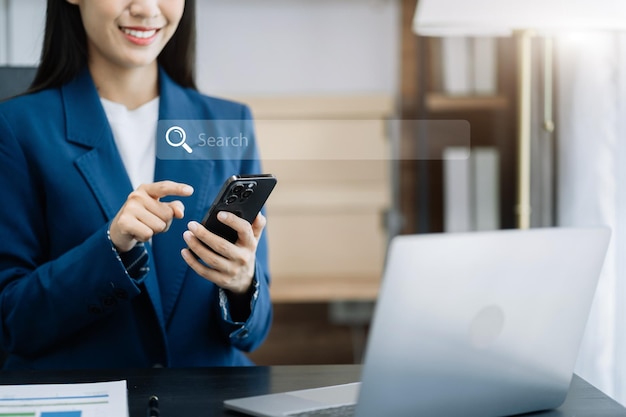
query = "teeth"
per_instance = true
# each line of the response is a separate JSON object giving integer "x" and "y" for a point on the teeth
{"x": 142, "y": 34}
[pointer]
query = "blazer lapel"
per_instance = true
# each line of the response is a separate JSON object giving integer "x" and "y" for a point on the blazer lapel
{"x": 172, "y": 269}
{"x": 101, "y": 166}
{"x": 87, "y": 125}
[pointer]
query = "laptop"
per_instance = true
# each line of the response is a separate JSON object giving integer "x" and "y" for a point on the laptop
{"x": 469, "y": 324}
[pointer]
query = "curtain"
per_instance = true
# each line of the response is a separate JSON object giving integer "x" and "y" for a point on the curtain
{"x": 591, "y": 160}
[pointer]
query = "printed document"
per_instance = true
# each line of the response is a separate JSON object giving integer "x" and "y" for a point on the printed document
{"x": 100, "y": 399}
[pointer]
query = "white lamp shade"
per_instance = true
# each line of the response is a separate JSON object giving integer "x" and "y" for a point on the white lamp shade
{"x": 502, "y": 17}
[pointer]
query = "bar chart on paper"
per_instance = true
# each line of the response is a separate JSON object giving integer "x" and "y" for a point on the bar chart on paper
{"x": 101, "y": 399}
{"x": 44, "y": 414}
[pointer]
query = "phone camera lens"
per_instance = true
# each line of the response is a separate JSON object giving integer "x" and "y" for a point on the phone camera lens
{"x": 247, "y": 193}
{"x": 237, "y": 189}
{"x": 231, "y": 199}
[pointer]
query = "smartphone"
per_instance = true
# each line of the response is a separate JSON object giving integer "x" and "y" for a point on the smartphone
{"x": 243, "y": 195}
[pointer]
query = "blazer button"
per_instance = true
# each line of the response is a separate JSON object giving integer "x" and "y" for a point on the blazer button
{"x": 120, "y": 293}
{"x": 95, "y": 309}
{"x": 108, "y": 301}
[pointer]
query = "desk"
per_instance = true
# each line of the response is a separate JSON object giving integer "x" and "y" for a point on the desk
{"x": 199, "y": 392}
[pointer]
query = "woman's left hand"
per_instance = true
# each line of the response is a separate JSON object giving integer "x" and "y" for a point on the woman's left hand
{"x": 229, "y": 265}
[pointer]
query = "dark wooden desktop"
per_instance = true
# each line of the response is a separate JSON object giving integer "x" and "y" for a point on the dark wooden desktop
{"x": 199, "y": 392}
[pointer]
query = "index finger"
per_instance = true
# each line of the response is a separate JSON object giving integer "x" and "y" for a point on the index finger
{"x": 164, "y": 188}
{"x": 244, "y": 230}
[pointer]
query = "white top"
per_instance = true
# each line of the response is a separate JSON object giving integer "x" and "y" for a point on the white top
{"x": 134, "y": 132}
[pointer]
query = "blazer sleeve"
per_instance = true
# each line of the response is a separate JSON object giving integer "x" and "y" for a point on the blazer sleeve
{"x": 250, "y": 334}
{"x": 42, "y": 300}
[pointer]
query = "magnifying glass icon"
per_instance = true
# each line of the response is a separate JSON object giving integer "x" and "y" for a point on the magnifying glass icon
{"x": 179, "y": 138}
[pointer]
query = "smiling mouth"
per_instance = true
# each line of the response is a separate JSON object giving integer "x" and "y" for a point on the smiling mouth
{"x": 139, "y": 33}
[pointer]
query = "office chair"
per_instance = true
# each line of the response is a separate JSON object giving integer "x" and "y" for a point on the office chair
{"x": 15, "y": 80}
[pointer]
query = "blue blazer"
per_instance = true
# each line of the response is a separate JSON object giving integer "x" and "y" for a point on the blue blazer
{"x": 66, "y": 301}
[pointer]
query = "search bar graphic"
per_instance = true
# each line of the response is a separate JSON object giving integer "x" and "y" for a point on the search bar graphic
{"x": 180, "y": 138}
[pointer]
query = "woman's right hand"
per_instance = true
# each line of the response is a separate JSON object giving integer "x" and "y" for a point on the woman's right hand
{"x": 143, "y": 215}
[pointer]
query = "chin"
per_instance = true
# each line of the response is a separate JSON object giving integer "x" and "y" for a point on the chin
{"x": 139, "y": 63}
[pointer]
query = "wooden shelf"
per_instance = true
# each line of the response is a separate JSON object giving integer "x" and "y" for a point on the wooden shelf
{"x": 318, "y": 107}
{"x": 437, "y": 102}
{"x": 332, "y": 157}
{"x": 324, "y": 289}
{"x": 492, "y": 118}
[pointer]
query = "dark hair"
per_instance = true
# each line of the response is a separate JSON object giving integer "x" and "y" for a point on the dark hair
{"x": 64, "y": 52}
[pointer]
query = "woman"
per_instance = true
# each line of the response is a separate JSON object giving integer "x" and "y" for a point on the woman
{"x": 95, "y": 262}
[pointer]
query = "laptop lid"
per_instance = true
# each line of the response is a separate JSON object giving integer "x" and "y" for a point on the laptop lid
{"x": 480, "y": 324}
{"x": 474, "y": 324}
